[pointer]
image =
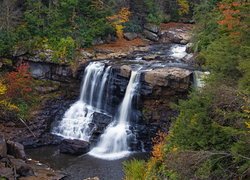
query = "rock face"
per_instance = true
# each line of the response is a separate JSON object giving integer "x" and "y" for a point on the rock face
{"x": 152, "y": 28}
{"x": 130, "y": 36}
{"x": 180, "y": 34}
{"x": 175, "y": 78}
{"x": 16, "y": 149}
{"x": 73, "y": 146}
{"x": 125, "y": 71}
{"x": 151, "y": 35}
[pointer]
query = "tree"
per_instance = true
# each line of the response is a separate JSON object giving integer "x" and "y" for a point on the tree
{"x": 10, "y": 14}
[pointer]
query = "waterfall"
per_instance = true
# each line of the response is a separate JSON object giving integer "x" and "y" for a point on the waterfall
{"x": 113, "y": 142}
{"x": 76, "y": 120}
{"x": 199, "y": 78}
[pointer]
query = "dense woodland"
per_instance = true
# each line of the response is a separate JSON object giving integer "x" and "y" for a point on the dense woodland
{"x": 210, "y": 138}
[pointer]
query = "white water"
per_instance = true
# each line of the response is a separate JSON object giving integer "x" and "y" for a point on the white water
{"x": 199, "y": 78}
{"x": 76, "y": 120}
{"x": 178, "y": 51}
{"x": 113, "y": 143}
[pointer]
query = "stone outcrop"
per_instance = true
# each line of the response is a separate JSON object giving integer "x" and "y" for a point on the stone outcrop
{"x": 16, "y": 149}
{"x": 74, "y": 147}
{"x": 172, "y": 77}
{"x": 130, "y": 36}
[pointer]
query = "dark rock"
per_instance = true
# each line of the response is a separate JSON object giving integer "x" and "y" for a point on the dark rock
{"x": 3, "y": 147}
{"x": 73, "y": 146}
{"x": 6, "y": 173}
{"x": 16, "y": 149}
{"x": 152, "y": 28}
{"x": 100, "y": 122}
{"x": 22, "y": 168}
{"x": 130, "y": 35}
{"x": 151, "y": 36}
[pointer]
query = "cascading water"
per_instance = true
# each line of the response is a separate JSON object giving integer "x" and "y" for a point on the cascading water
{"x": 113, "y": 143}
{"x": 76, "y": 120}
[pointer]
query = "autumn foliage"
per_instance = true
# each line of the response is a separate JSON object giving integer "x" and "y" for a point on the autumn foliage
{"x": 117, "y": 21}
{"x": 159, "y": 142}
{"x": 230, "y": 13}
{"x": 19, "y": 82}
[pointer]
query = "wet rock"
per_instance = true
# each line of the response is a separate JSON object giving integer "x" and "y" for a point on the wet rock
{"x": 176, "y": 78}
{"x": 125, "y": 71}
{"x": 73, "y": 146}
{"x": 150, "y": 57}
{"x": 3, "y": 147}
{"x": 22, "y": 168}
{"x": 16, "y": 149}
{"x": 130, "y": 35}
{"x": 100, "y": 122}
{"x": 152, "y": 28}
{"x": 151, "y": 36}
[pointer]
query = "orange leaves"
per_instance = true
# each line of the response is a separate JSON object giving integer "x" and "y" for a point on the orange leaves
{"x": 158, "y": 147}
{"x": 231, "y": 15}
{"x": 117, "y": 21}
{"x": 19, "y": 82}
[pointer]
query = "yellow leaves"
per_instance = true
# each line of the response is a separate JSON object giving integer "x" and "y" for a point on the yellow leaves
{"x": 9, "y": 106}
{"x": 118, "y": 19}
{"x": 3, "y": 88}
{"x": 247, "y": 125}
{"x": 184, "y": 7}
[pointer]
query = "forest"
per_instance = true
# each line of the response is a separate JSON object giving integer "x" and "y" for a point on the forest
{"x": 201, "y": 133}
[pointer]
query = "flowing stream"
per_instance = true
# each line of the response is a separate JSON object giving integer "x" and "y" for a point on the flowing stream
{"x": 113, "y": 143}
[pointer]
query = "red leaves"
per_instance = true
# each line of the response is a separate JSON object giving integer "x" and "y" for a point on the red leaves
{"x": 19, "y": 82}
{"x": 231, "y": 15}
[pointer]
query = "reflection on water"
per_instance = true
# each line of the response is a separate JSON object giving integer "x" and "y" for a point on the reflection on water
{"x": 80, "y": 167}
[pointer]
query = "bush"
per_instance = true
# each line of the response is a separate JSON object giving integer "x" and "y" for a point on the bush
{"x": 134, "y": 169}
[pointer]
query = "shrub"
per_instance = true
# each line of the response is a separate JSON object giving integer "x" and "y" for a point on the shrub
{"x": 19, "y": 83}
{"x": 134, "y": 169}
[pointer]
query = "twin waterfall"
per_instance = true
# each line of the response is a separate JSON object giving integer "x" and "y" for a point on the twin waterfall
{"x": 113, "y": 143}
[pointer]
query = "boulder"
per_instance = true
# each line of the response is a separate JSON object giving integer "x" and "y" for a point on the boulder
{"x": 173, "y": 77}
{"x": 130, "y": 35}
{"x": 22, "y": 168}
{"x": 151, "y": 36}
{"x": 3, "y": 147}
{"x": 150, "y": 57}
{"x": 125, "y": 71}
{"x": 100, "y": 122}
{"x": 16, "y": 149}
{"x": 179, "y": 36}
{"x": 152, "y": 28}
{"x": 73, "y": 146}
